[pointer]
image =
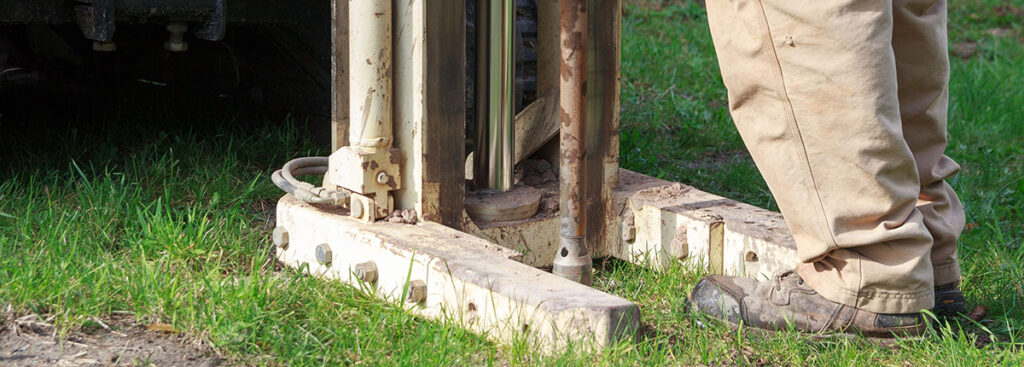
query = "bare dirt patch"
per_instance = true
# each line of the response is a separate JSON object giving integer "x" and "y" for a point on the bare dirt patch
{"x": 718, "y": 159}
{"x": 117, "y": 341}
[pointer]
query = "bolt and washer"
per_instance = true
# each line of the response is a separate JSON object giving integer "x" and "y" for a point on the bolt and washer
{"x": 366, "y": 271}
{"x": 383, "y": 178}
{"x": 281, "y": 237}
{"x": 324, "y": 254}
{"x": 417, "y": 291}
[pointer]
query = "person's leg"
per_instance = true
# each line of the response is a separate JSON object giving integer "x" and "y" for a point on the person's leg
{"x": 813, "y": 91}
{"x": 922, "y": 71}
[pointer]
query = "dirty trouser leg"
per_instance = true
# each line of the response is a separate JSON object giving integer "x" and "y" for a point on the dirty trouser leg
{"x": 922, "y": 70}
{"x": 812, "y": 89}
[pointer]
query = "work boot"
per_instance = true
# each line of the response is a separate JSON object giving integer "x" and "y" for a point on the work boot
{"x": 949, "y": 301}
{"x": 786, "y": 301}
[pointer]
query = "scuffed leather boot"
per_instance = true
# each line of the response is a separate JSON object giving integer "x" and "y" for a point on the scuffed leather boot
{"x": 785, "y": 300}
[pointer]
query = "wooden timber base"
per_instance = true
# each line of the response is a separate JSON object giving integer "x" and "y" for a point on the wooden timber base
{"x": 655, "y": 223}
{"x": 444, "y": 274}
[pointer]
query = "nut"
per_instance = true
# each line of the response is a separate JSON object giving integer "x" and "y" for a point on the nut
{"x": 417, "y": 291}
{"x": 281, "y": 237}
{"x": 366, "y": 271}
{"x": 383, "y": 178}
{"x": 324, "y": 254}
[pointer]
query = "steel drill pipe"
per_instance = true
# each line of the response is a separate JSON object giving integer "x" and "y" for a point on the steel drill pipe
{"x": 495, "y": 91}
{"x": 370, "y": 70}
{"x": 573, "y": 260}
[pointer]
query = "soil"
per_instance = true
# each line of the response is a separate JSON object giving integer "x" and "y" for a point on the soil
{"x": 536, "y": 173}
{"x": 718, "y": 160}
{"x": 965, "y": 50}
{"x": 404, "y": 216}
{"x": 664, "y": 193}
{"x": 515, "y": 198}
{"x": 117, "y": 341}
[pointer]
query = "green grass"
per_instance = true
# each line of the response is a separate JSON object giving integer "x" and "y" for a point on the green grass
{"x": 160, "y": 211}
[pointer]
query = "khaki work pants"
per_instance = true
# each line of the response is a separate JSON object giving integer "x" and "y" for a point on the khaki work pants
{"x": 843, "y": 107}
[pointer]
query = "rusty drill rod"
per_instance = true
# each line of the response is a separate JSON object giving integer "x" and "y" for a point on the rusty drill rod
{"x": 573, "y": 260}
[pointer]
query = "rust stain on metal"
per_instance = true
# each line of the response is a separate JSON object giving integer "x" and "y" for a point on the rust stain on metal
{"x": 573, "y": 105}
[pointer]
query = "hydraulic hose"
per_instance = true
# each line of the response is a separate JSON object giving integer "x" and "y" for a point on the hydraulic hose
{"x": 285, "y": 179}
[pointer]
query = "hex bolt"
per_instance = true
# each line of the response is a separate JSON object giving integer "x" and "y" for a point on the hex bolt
{"x": 356, "y": 208}
{"x": 281, "y": 237}
{"x": 176, "y": 42}
{"x": 417, "y": 291}
{"x": 324, "y": 255}
{"x": 366, "y": 271}
{"x": 628, "y": 231}
{"x": 383, "y": 178}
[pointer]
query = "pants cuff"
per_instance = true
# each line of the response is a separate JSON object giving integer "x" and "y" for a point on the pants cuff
{"x": 947, "y": 273}
{"x": 829, "y": 285}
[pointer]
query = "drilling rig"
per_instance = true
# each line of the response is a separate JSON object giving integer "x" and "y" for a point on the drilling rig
{"x": 498, "y": 237}
{"x": 474, "y": 172}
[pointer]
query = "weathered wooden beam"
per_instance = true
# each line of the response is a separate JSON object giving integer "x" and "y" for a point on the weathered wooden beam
{"x": 536, "y": 125}
{"x": 443, "y": 274}
{"x": 664, "y": 222}
{"x": 444, "y": 128}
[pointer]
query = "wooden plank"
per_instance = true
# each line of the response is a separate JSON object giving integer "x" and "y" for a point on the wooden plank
{"x": 536, "y": 125}
{"x": 733, "y": 238}
{"x": 464, "y": 280}
{"x": 602, "y": 121}
{"x": 445, "y": 132}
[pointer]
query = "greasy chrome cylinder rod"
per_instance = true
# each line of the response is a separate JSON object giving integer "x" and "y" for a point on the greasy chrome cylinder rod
{"x": 370, "y": 76}
{"x": 573, "y": 260}
{"x": 494, "y": 159}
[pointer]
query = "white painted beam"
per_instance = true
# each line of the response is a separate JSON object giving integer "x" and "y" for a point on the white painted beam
{"x": 468, "y": 281}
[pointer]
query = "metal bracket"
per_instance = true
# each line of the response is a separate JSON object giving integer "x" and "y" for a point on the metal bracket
{"x": 370, "y": 176}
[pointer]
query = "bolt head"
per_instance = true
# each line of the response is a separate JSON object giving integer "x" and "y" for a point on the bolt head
{"x": 324, "y": 254}
{"x": 356, "y": 208}
{"x": 366, "y": 271}
{"x": 281, "y": 237}
{"x": 417, "y": 291}
{"x": 383, "y": 178}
